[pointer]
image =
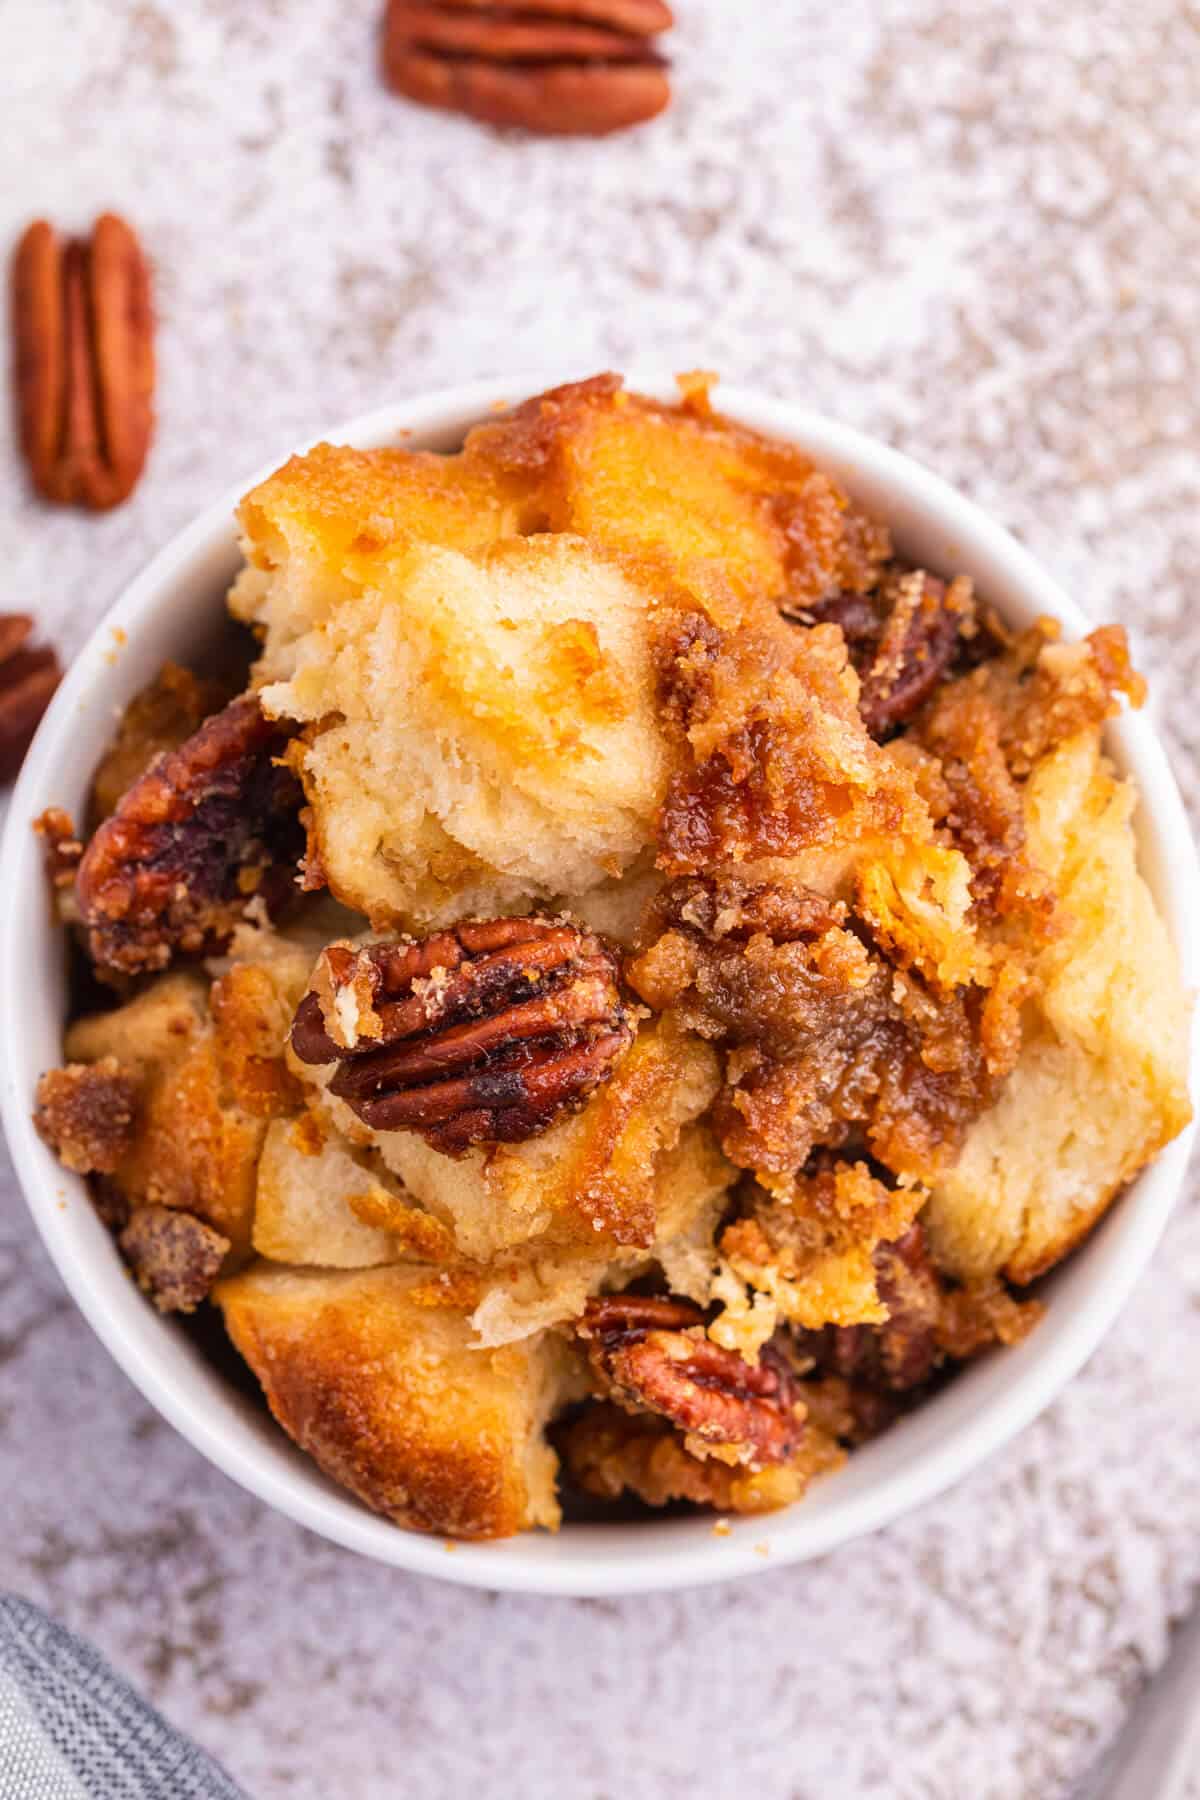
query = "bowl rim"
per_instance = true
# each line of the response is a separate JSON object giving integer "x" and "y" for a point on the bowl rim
{"x": 118, "y": 1313}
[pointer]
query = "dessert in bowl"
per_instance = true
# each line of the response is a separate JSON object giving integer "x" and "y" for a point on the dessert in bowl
{"x": 624, "y": 999}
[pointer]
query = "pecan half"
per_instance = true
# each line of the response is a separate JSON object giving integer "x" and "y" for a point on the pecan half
{"x": 206, "y": 827}
{"x": 29, "y": 674}
{"x": 651, "y": 1355}
{"x": 486, "y": 1033}
{"x": 83, "y": 334}
{"x": 902, "y": 640}
{"x": 558, "y": 67}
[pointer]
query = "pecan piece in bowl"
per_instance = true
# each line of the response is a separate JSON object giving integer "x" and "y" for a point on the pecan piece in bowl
{"x": 651, "y": 1356}
{"x": 902, "y": 640}
{"x": 486, "y": 1033}
{"x": 29, "y": 674}
{"x": 205, "y": 829}
{"x": 931, "y": 1320}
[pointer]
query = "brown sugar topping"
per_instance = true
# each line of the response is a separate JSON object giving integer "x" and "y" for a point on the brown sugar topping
{"x": 607, "y": 1452}
{"x": 902, "y": 640}
{"x": 774, "y": 757}
{"x": 825, "y": 1035}
{"x": 86, "y": 1114}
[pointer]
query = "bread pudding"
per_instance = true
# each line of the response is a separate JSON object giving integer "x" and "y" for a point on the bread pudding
{"x": 636, "y": 990}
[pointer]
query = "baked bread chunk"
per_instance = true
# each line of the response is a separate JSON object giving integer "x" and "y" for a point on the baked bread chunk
{"x": 388, "y": 1396}
{"x": 1101, "y": 1082}
{"x": 481, "y": 722}
{"x": 317, "y": 1202}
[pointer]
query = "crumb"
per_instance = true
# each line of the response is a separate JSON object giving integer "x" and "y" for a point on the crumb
{"x": 86, "y": 1113}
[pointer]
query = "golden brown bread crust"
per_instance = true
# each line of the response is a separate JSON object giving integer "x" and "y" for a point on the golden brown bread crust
{"x": 519, "y": 748}
{"x": 391, "y": 1401}
{"x": 205, "y": 1059}
{"x": 194, "y": 1148}
{"x": 682, "y": 491}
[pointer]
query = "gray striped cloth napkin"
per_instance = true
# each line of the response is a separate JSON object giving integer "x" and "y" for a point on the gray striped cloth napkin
{"x": 72, "y": 1729}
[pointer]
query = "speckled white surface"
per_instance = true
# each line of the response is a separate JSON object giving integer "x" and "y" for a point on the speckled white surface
{"x": 972, "y": 228}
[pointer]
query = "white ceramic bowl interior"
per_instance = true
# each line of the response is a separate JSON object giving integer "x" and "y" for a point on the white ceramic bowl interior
{"x": 172, "y": 610}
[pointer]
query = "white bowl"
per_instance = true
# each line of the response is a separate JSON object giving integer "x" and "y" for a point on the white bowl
{"x": 170, "y": 610}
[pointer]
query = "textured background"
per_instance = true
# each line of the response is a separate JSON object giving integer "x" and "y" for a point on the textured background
{"x": 970, "y": 227}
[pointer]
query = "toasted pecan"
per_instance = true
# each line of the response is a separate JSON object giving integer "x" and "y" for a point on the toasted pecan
{"x": 486, "y": 1033}
{"x": 650, "y": 1355}
{"x": 202, "y": 831}
{"x": 159, "y": 717}
{"x": 556, "y": 67}
{"x": 902, "y": 640}
{"x": 173, "y": 1256}
{"x": 83, "y": 335}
